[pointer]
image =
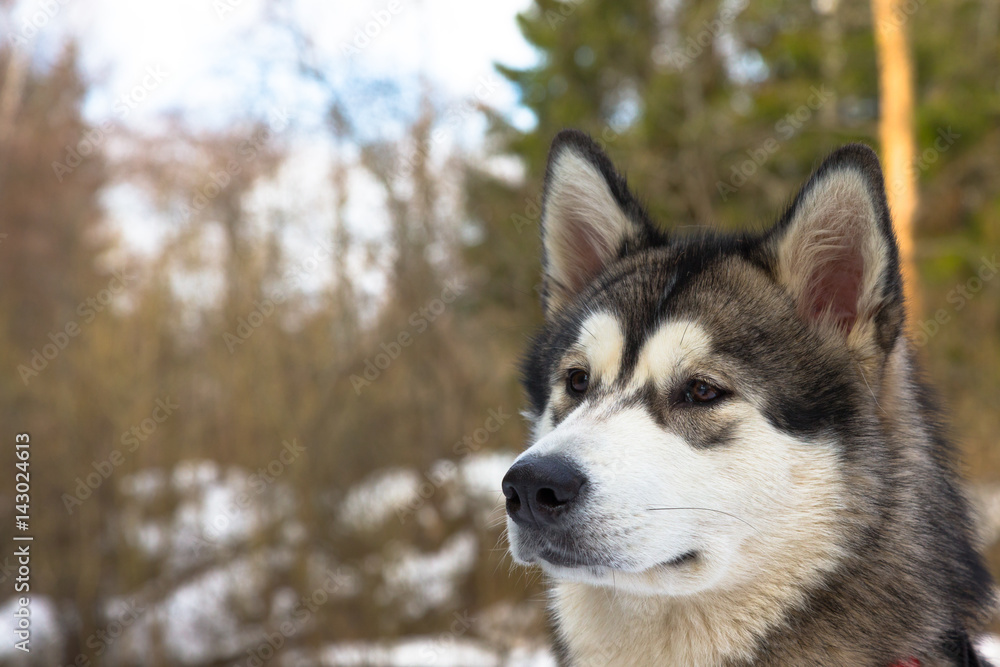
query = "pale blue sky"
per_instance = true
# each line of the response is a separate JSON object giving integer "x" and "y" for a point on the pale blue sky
{"x": 212, "y": 63}
{"x": 220, "y": 59}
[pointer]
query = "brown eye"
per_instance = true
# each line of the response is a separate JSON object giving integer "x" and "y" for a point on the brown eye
{"x": 700, "y": 391}
{"x": 578, "y": 381}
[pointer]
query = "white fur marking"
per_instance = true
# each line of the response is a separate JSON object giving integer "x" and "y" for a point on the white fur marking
{"x": 601, "y": 340}
{"x": 768, "y": 524}
{"x": 676, "y": 348}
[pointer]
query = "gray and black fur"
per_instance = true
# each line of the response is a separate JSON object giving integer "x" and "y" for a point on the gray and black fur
{"x": 910, "y": 582}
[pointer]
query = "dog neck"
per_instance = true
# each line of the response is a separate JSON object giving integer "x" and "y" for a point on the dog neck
{"x": 600, "y": 626}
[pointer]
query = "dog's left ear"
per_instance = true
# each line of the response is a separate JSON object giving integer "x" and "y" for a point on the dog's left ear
{"x": 835, "y": 251}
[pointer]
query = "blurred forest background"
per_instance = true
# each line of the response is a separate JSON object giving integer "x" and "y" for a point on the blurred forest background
{"x": 278, "y": 437}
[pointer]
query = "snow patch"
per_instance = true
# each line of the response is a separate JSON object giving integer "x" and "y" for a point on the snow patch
{"x": 373, "y": 501}
{"x": 423, "y": 581}
{"x": 46, "y": 634}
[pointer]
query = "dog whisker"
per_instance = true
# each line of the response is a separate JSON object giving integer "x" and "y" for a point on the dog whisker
{"x": 705, "y": 509}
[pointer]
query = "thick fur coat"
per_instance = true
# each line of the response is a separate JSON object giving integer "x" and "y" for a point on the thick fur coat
{"x": 735, "y": 461}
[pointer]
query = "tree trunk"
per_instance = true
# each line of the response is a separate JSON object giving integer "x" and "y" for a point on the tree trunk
{"x": 896, "y": 131}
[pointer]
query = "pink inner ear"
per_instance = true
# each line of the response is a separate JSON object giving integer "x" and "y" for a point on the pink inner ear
{"x": 589, "y": 253}
{"x": 834, "y": 286}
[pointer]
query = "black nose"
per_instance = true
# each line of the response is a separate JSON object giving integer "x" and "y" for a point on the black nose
{"x": 540, "y": 490}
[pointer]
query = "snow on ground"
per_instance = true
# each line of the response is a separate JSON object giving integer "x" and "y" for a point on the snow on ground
{"x": 443, "y": 651}
{"x": 221, "y": 511}
{"x": 481, "y": 475}
{"x": 198, "y": 616}
{"x": 209, "y": 525}
{"x": 46, "y": 634}
{"x": 378, "y": 498}
{"x": 399, "y": 493}
{"x": 411, "y": 652}
{"x": 425, "y": 581}
{"x": 213, "y": 521}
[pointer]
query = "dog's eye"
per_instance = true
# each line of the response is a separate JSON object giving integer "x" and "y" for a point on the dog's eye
{"x": 577, "y": 381}
{"x": 701, "y": 392}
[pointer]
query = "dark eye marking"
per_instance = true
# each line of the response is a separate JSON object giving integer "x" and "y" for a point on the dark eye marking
{"x": 700, "y": 392}
{"x": 577, "y": 381}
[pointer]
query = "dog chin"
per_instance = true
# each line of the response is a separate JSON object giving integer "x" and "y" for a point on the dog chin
{"x": 571, "y": 565}
{"x": 677, "y": 576}
{"x": 672, "y": 575}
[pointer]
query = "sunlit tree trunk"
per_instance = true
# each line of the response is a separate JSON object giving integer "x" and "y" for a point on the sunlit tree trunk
{"x": 832, "y": 63}
{"x": 11, "y": 90}
{"x": 896, "y": 131}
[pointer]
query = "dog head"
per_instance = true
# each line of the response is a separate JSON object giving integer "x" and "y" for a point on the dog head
{"x": 697, "y": 400}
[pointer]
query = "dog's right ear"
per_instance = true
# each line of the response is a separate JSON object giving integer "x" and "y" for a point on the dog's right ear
{"x": 589, "y": 219}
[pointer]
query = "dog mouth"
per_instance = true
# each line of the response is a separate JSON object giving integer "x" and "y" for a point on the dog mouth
{"x": 686, "y": 558}
{"x": 574, "y": 552}
{"x": 560, "y": 551}
{"x": 567, "y": 558}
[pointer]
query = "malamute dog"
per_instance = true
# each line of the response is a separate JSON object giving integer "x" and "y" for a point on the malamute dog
{"x": 734, "y": 461}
